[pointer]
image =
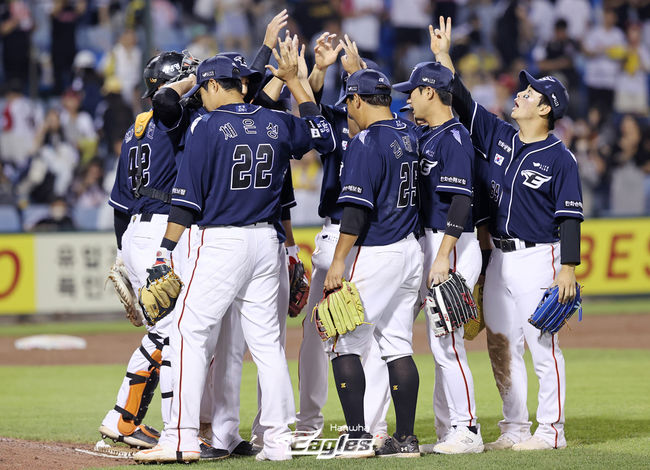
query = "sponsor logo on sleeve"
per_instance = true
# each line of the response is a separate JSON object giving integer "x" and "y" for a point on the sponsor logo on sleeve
{"x": 534, "y": 180}
{"x": 453, "y": 180}
{"x": 575, "y": 204}
{"x": 504, "y": 146}
{"x": 179, "y": 191}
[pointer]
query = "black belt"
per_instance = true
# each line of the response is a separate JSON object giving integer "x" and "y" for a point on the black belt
{"x": 335, "y": 221}
{"x": 508, "y": 244}
{"x": 146, "y": 216}
{"x": 261, "y": 222}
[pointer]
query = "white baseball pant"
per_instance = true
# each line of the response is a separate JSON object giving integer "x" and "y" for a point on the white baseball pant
{"x": 514, "y": 284}
{"x": 453, "y": 392}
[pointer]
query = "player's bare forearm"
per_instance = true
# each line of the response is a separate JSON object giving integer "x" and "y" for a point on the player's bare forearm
{"x": 288, "y": 230}
{"x": 317, "y": 79}
{"x": 566, "y": 282}
{"x": 483, "y": 235}
{"x": 337, "y": 268}
{"x": 174, "y": 231}
{"x": 439, "y": 271}
{"x": 445, "y": 60}
{"x": 274, "y": 88}
{"x": 298, "y": 91}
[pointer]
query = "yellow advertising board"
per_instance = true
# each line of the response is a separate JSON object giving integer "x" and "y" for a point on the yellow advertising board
{"x": 615, "y": 257}
{"x": 17, "y": 278}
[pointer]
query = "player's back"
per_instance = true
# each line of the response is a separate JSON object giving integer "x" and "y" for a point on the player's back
{"x": 388, "y": 152}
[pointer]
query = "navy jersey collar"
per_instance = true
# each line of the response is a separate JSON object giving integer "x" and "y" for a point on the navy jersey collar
{"x": 393, "y": 123}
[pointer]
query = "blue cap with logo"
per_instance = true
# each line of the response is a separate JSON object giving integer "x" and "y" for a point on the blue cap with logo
{"x": 432, "y": 74}
{"x": 366, "y": 82}
{"x": 218, "y": 67}
{"x": 370, "y": 64}
{"x": 550, "y": 87}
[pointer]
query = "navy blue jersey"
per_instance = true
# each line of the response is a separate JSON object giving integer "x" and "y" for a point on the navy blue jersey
{"x": 331, "y": 186}
{"x": 481, "y": 201}
{"x": 380, "y": 173}
{"x": 156, "y": 151}
{"x": 531, "y": 185}
{"x": 446, "y": 168}
{"x": 235, "y": 159}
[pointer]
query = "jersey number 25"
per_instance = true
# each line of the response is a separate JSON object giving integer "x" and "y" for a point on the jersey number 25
{"x": 408, "y": 175}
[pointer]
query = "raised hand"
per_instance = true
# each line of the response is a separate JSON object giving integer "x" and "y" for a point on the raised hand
{"x": 325, "y": 53}
{"x": 287, "y": 60}
{"x": 351, "y": 61}
{"x": 274, "y": 27}
{"x": 441, "y": 37}
{"x": 303, "y": 70}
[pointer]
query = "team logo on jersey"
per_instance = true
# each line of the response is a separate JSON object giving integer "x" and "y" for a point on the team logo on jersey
{"x": 426, "y": 166}
{"x": 272, "y": 130}
{"x": 498, "y": 159}
{"x": 533, "y": 179}
{"x": 504, "y": 146}
{"x": 456, "y": 135}
{"x": 541, "y": 167}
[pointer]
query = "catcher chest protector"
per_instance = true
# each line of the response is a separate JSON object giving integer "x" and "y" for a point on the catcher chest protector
{"x": 141, "y": 389}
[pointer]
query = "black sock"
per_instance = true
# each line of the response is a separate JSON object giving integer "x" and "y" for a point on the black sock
{"x": 404, "y": 384}
{"x": 351, "y": 385}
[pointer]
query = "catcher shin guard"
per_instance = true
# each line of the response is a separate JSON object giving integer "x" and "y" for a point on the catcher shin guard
{"x": 142, "y": 386}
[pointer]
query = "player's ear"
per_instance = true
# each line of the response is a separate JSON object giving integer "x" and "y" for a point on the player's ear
{"x": 544, "y": 110}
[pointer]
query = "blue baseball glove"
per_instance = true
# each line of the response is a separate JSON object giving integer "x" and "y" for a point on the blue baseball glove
{"x": 550, "y": 315}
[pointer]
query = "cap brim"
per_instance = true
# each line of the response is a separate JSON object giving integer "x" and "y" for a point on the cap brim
{"x": 404, "y": 87}
{"x": 147, "y": 94}
{"x": 526, "y": 79}
{"x": 406, "y": 108}
{"x": 341, "y": 100}
{"x": 193, "y": 90}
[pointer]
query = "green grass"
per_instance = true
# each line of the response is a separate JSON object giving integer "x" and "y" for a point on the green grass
{"x": 592, "y": 306}
{"x": 608, "y": 411}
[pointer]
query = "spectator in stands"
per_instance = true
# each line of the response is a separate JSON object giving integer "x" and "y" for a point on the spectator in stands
{"x": 64, "y": 17}
{"x": 233, "y": 29}
{"x": 409, "y": 19}
{"x": 78, "y": 126}
{"x": 58, "y": 219}
{"x": 512, "y": 33}
{"x": 631, "y": 95}
{"x": 125, "y": 63}
{"x": 627, "y": 192}
{"x": 59, "y": 154}
{"x": 87, "y": 81}
{"x": 88, "y": 190}
{"x": 362, "y": 22}
{"x": 601, "y": 69}
{"x": 577, "y": 14}
{"x": 311, "y": 16}
{"x": 21, "y": 117}
{"x": 114, "y": 116}
{"x": 7, "y": 196}
{"x": 16, "y": 26}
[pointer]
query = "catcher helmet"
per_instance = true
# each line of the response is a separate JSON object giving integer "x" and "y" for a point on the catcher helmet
{"x": 160, "y": 69}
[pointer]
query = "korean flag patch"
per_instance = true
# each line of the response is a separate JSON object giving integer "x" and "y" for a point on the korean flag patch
{"x": 498, "y": 159}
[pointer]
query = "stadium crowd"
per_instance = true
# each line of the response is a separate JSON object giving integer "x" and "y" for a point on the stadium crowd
{"x": 71, "y": 84}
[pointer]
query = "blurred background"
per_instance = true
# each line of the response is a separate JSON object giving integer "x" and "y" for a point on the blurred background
{"x": 71, "y": 80}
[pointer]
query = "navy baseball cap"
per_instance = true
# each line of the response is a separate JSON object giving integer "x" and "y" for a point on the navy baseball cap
{"x": 550, "y": 87}
{"x": 366, "y": 82}
{"x": 220, "y": 66}
{"x": 431, "y": 74}
{"x": 370, "y": 64}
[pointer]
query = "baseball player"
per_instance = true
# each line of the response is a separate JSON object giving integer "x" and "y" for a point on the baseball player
{"x": 535, "y": 214}
{"x": 313, "y": 363}
{"x": 380, "y": 216}
{"x": 446, "y": 190}
{"x": 229, "y": 182}
{"x": 140, "y": 197}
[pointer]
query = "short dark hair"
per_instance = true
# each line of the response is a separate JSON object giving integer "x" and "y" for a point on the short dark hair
{"x": 226, "y": 84}
{"x": 377, "y": 100}
{"x": 445, "y": 96}
{"x": 549, "y": 117}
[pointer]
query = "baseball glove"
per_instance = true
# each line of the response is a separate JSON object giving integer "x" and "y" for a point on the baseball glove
{"x": 159, "y": 297}
{"x": 339, "y": 312}
{"x": 120, "y": 279}
{"x": 449, "y": 305}
{"x": 298, "y": 287}
{"x": 551, "y": 315}
{"x": 475, "y": 325}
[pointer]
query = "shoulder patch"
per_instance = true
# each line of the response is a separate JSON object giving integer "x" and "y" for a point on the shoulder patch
{"x": 362, "y": 136}
{"x": 141, "y": 122}
{"x": 456, "y": 134}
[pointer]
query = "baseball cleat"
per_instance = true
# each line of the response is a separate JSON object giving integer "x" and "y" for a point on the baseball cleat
{"x": 144, "y": 437}
{"x": 212, "y": 453}
{"x": 379, "y": 439}
{"x": 502, "y": 443}
{"x": 408, "y": 447}
{"x": 246, "y": 449}
{"x": 535, "y": 443}
{"x": 161, "y": 454}
{"x": 262, "y": 456}
{"x": 460, "y": 441}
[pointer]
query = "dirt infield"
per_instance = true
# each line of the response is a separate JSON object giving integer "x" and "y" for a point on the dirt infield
{"x": 603, "y": 331}
{"x": 631, "y": 331}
